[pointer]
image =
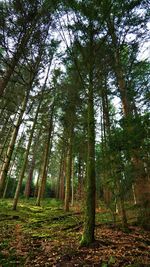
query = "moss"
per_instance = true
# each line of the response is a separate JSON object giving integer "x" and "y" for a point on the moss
{"x": 12, "y": 260}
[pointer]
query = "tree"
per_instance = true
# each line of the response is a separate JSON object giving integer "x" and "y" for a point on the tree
{"x": 44, "y": 168}
{"x": 27, "y": 190}
{"x": 10, "y": 149}
{"x": 29, "y": 16}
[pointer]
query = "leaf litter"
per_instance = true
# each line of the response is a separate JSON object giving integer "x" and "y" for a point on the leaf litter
{"x": 56, "y": 243}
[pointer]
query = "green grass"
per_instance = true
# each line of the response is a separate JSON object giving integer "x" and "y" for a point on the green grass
{"x": 37, "y": 221}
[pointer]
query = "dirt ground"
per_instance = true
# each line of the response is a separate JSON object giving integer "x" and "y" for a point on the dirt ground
{"x": 34, "y": 240}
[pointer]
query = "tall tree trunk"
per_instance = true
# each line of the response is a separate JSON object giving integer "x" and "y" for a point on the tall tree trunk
{"x": 60, "y": 174}
{"x": 89, "y": 221}
{"x": 7, "y": 180}
{"x": 10, "y": 149}
{"x": 2, "y": 148}
{"x": 29, "y": 144}
{"x": 120, "y": 203}
{"x": 6, "y": 186}
{"x": 25, "y": 160}
{"x": 41, "y": 189}
{"x": 105, "y": 135}
{"x": 68, "y": 172}
{"x": 72, "y": 184}
{"x": 12, "y": 165}
{"x": 62, "y": 178}
{"x": 105, "y": 111}
{"x": 142, "y": 185}
{"x": 118, "y": 69}
{"x": 80, "y": 177}
{"x": 30, "y": 176}
{"x": 19, "y": 120}
{"x": 123, "y": 213}
{"x": 27, "y": 190}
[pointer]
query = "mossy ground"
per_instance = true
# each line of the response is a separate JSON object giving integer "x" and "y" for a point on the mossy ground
{"x": 48, "y": 236}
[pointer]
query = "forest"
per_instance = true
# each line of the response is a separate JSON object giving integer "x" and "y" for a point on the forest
{"x": 75, "y": 133}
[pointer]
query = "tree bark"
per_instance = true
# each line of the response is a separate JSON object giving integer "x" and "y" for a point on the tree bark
{"x": 60, "y": 174}
{"x": 30, "y": 176}
{"x": 10, "y": 149}
{"x": 27, "y": 190}
{"x": 10, "y": 169}
{"x": 41, "y": 189}
{"x": 68, "y": 172}
{"x": 89, "y": 221}
{"x": 62, "y": 178}
{"x": 80, "y": 177}
{"x": 72, "y": 184}
{"x": 25, "y": 159}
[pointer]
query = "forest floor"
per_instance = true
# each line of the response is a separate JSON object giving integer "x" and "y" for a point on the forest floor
{"x": 47, "y": 236}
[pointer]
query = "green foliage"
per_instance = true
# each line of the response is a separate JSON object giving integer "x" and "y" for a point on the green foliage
{"x": 104, "y": 264}
{"x": 112, "y": 261}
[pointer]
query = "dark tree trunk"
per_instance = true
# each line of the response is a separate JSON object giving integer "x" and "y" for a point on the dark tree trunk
{"x": 42, "y": 186}
{"x": 68, "y": 172}
{"x": 89, "y": 221}
{"x": 62, "y": 179}
{"x": 27, "y": 190}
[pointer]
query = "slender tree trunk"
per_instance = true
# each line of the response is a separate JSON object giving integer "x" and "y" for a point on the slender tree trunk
{"x": 105, "y": 133}
{"x": 25, "y": 160}
{"x": 42, "y": 185}
{"x": 6, "y": 186}
{"x": 105, "y": 111}
{"x": 27, "y": 190}
{"x": 121, "y": 205}
{"x": 4, "y": 171}
{"x": 30, "y": 176}
{"x": 123, "y": 214}
{"x": 80, "y": 177}
{"x": 6, "y": 139}
{"x": 72, "y": 184}
{"x": 60, "y": 175}
{"x": 15, "y": 132}
{"x": 45, "y": 163}
{"x": 62, "y": 179}
{"x": 3, "y": 149}
{"x": 7, "y": 123}
{"x": 10, "y": 170}
{"x": 89, "y": 221}
{"x": 29, "y": 144}
{"x": 68, "y": 172}
{"x": 118, "y": 69}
